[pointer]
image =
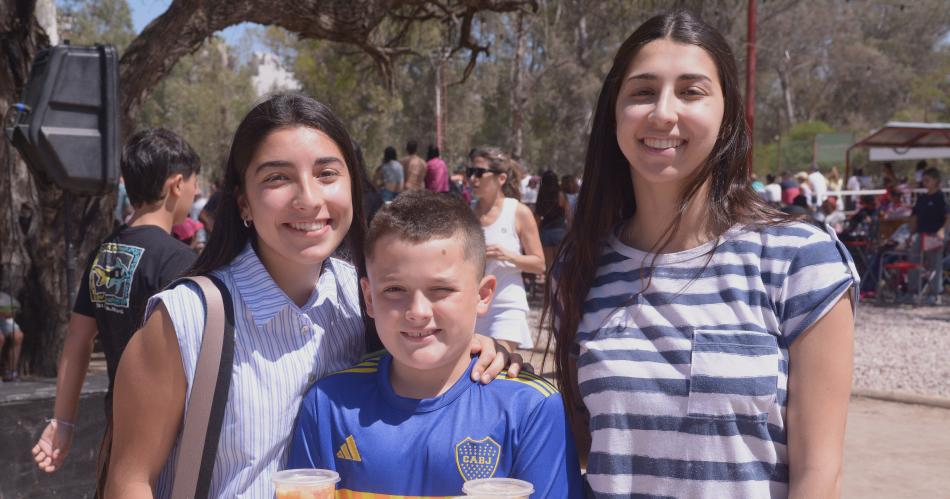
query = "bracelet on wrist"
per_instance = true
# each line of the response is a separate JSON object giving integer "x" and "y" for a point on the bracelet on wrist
{"x": 67, "y": 424}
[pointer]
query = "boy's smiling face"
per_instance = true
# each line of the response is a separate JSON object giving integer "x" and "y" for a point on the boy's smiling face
{"x": 424, "y": 298}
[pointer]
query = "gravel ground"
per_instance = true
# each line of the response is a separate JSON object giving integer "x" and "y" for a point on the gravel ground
{"x": 903, "y": 348}
{"x": 897, "y": 348}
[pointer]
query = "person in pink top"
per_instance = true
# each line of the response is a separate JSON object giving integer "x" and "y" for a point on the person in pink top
{"x": 437, "y": 174}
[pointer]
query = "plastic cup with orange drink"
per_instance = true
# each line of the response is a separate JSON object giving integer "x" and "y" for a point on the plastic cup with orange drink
{"x": 305, "y": 484}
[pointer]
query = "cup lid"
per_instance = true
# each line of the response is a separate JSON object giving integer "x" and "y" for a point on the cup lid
{"x": 306, "y": 477}
{"x": 498, "y": 487}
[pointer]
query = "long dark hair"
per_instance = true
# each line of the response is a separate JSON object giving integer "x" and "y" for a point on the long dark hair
{"x": 569, "y": 184}
{"x": 230, "y": 236}
{"x": 548, "y": 195}
{"x": 606, "y": 196}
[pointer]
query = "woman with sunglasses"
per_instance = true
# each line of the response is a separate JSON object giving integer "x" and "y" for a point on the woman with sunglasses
{"x": 514, "y": 245}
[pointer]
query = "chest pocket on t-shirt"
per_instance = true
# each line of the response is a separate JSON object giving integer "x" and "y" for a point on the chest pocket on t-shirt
{"x": 733, "y": 375}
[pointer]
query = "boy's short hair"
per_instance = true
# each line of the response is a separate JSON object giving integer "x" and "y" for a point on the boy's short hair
{"x": 933, "y": 173}
{"x": 149, "y": 158}
{"x": 418, "y": 216}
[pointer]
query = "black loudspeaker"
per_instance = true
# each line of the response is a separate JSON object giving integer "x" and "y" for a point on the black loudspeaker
{"x": 69, "y": 130}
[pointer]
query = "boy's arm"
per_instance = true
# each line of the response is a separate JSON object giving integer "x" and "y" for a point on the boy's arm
{"x": 546, "y": 456}
{"x": 53, "y": 445}
{"x": 946, "y": 221}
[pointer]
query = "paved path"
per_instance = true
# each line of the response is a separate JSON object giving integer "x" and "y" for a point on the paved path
{"x": 896, "y": 450}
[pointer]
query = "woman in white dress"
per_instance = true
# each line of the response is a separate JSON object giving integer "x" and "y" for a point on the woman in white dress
{"x": 514, "y": 245}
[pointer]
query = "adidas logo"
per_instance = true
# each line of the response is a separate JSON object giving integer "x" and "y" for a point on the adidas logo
{"x": 348, "y": 450}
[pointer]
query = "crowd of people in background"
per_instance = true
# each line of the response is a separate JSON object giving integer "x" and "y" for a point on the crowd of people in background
{"x": 915, "y": 205}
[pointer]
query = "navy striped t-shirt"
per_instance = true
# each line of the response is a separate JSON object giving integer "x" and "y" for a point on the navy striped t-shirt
{"x": 686, "y": 382}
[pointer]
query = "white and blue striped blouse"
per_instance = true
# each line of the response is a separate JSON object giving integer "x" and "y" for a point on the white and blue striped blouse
{"x": 686, "y": 382}
{"x": 280, "y": 350}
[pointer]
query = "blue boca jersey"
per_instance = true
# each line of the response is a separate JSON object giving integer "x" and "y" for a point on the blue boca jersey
{"x": 385, "y": 445}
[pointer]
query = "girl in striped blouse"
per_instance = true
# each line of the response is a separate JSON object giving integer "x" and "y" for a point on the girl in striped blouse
{"x": 291, "y": 199}
{"x": 704, "y": 340}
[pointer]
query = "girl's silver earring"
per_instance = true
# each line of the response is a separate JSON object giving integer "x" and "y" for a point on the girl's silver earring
{"x": 247, "y": 223}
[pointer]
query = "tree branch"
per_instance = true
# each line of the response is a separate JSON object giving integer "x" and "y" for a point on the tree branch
{"x": 187, "y": 23}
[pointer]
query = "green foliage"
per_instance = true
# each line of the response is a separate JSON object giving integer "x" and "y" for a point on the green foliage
{"x": 85, "y": 22}
{"x": 795, "y": 146}
{"x": 807, "y": 130}
{"x": 930, "y": 92}
{"x": 347, "y": 84}
{"x": 203, "y": 100}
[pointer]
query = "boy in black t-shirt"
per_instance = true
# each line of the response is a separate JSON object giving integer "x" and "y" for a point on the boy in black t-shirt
{"x": 928, "y": 224}
{"x": 131, "y": 264}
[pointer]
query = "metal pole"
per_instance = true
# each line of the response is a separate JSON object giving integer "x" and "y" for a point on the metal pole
{"x": 67, "y": 236}
{"x": 847, "y": 163}
{"x": 750, "y": 79}
{"x": 779, "y": 155}
{"x": 438, "y": 105}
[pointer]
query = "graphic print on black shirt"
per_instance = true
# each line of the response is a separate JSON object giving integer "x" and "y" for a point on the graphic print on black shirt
{"x": 129, "y": 266}
{"x": 110, "y": 277}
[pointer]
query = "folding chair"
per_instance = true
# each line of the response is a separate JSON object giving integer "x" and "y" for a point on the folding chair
{"x": 862, "y": 244}
{"x": 896, "y": 281}
{"x": 860, "y": 249}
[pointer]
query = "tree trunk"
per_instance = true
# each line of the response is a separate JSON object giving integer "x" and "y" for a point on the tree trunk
{"x": 34, "y": 262}
{"x": 783, "y": 79}
{"x": 582, "y": 41}
{"x": 22, "y": 38}
{"x": 518, "y": 98}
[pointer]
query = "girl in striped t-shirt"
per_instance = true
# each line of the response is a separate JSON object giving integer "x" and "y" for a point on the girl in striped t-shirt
{"x": 704, "y": 340}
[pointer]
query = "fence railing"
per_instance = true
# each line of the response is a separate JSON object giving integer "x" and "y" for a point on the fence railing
{"x": 856, "y": 195}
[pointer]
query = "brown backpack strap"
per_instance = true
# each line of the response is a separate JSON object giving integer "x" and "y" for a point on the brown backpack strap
{"x": 209, "y": 393}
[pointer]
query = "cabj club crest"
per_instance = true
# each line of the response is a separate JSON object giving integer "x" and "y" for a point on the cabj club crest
{"x": 477, "y": 458}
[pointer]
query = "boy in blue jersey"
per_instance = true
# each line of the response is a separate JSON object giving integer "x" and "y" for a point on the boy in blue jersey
{"x": 409, "y": 422}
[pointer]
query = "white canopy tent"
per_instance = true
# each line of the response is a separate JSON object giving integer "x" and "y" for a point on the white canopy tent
{"x": 899, "y": 140}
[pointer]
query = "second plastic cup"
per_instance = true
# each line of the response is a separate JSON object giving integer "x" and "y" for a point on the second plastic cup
{"x": 509, "y": 488}
{"x": 305, "y": 484}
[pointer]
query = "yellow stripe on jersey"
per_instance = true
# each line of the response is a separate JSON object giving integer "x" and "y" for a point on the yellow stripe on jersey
{"x": 344, "y": 452}
{"x": 539, "y": 384}
{"x": 539, "y": 379}
{"x": 358, "y": 370}
{"x": 373, "y": 355}
{"x": 351, "y": 446}
{"x": 533, "y": 384}
{"x": 352, "y": 494}
{"x": 366, "y": 365}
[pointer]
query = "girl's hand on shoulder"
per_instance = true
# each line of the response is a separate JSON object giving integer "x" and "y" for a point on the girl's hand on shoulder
{"x": 493, "y": 358}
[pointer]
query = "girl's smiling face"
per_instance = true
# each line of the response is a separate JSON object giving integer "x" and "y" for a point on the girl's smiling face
{"x": 297, "y": 195}
{"x": 669, "y": 111}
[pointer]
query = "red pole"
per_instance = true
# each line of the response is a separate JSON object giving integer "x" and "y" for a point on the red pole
{"x": 750, "y": 79}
